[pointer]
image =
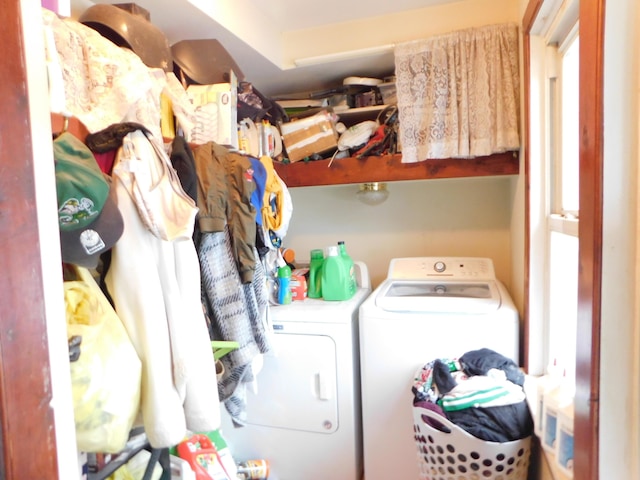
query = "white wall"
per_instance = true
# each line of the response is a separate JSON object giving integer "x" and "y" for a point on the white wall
{"x": 454, "y": 217}
{"x": 620, "y": 355}
{"x": 396, "y": 28}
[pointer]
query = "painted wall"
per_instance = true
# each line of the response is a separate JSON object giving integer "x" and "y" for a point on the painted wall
{"x": 620, "y": 351}
{"x": 451, "y": 217}
{"x": 396, "y": 28}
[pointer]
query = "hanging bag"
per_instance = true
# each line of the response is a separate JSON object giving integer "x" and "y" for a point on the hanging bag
{"x": 105, "y": 379}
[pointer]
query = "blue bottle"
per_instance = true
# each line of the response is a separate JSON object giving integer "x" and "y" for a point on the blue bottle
{"x": 284, "y": 285}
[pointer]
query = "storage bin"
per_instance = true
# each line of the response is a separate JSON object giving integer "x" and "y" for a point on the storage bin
{"x": 457, "y": 455}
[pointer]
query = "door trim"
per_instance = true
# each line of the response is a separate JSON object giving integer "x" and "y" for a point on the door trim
{"x": 26, "y": 416}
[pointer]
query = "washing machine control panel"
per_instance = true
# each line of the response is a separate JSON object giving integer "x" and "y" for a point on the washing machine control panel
{"x": 452, "y": 268}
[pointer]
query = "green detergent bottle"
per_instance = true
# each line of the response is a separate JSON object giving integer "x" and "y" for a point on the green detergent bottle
{"x": 342, "y": 250}
{"x": 336, "y": 280}
{"x": 314, "y": 289}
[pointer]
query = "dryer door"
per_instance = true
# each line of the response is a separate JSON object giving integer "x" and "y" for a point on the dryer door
{"x": 297, "y": 386}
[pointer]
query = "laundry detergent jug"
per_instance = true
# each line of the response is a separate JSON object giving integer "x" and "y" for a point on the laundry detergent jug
{"x": 315, "y": 274}
{"x": 342, "y": 251}
{"x": 336, "y": 276}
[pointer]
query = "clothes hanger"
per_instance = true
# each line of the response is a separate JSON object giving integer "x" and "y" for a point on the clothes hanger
{"x": 65, "y": 125}
{"x": 222, "y": 347}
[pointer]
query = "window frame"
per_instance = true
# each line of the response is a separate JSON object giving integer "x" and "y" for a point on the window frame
{"x": 586, "y": 417}
{"x": 558, "y": 219}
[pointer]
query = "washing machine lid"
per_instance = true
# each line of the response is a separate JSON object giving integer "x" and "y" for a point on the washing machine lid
{"x": 435, "y": 296}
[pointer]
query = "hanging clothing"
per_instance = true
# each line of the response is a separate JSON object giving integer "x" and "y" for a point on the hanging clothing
{"x": 273, "y": 199}
{"x": 155, "y": 286}
{"x": 233, "y": 280}
{"x": 238, "y": 312}
{"x": 225, "y": 186}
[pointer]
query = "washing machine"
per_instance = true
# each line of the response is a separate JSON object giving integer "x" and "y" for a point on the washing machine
{"x": 426, "y": 308}
{"x": 304, "y": 415}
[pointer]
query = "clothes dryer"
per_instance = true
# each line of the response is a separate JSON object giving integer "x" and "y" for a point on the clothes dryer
{"x": 427, "y": 308}
{"x": 304, "y": 416}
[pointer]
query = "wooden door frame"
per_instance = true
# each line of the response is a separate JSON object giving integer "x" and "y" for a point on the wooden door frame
{"x": 26, "y": 419}
{"x": 27, "y": 427}
{"x": 591, "y": 116}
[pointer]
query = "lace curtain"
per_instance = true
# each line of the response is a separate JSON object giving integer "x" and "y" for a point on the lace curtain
{"x": 458, "y": 94}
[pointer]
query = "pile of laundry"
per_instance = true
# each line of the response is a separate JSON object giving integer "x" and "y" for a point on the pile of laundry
{"x": 481, "y": 392}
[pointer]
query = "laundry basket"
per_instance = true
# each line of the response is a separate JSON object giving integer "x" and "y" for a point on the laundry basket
{"x": 457, "y": 455}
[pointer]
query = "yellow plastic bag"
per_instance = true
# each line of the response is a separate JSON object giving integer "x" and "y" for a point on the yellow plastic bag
{"x": 106, "y": 377}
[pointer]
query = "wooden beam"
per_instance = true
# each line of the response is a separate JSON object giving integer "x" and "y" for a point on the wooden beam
{"x": 389, "y": 168}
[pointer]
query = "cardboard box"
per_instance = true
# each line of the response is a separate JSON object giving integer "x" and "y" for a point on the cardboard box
{"x": 216, "y": 113}
{"x": 306, "y": 136}
{"x": 298, "y": 284}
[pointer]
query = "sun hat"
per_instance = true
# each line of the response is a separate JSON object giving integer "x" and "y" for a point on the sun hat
{"x": 132, "y": 30}
{"x": 88, "y": 216}
{"x": 204, "y": 62}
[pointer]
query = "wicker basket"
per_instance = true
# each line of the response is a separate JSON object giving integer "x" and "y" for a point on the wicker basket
{"x": 457, "y": 455}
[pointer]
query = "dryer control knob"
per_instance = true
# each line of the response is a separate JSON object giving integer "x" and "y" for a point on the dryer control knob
{"x": 439, "y": 267}
{"x": 440, "y": 289}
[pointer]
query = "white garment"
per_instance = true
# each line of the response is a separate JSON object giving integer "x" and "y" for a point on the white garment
{"x": 146, "y": 170}
{"x": 155, "y": 286}
{"x": 103, "y": 83}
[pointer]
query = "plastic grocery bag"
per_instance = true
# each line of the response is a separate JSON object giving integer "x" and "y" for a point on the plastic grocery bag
{"x": 106, "y": 377}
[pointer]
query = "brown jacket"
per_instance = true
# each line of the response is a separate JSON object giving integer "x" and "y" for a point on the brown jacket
{"x": 225, "y": 185}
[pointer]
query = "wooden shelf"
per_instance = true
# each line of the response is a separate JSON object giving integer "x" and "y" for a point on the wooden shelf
{"x": 389, "y": 168}
{"x": 384, "y": 168}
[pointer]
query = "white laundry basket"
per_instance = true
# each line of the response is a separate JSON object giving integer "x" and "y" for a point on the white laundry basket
{"x": 457, "y": 455}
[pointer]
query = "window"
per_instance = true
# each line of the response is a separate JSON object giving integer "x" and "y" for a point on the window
{"x": 554, "y": 176}
{"x": 554, "y": 181}
{"x": 562, "y": 208}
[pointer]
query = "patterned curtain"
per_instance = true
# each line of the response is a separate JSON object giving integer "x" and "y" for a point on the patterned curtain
{"x": 458, "y": 94}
